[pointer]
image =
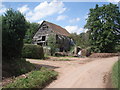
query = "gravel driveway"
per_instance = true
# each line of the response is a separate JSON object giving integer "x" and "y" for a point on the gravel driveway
{"x": 80, "y": 72}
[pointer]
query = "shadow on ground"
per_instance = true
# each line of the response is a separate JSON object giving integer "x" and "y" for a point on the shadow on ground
{"x": 38, "y": 66}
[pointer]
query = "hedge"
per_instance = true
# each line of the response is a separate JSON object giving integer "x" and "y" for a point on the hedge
{"x": 32, "y": 51}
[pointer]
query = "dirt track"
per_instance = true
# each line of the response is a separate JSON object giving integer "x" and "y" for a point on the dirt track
{"x": 80, "y": 72}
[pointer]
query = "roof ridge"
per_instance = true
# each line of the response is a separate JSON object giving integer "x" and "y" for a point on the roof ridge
{"x": 65, "y": 31}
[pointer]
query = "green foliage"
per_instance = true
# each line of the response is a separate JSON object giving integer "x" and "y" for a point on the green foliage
{"x": 81, "y": 40}
{"x": 117, "y": 48}
{"x": 13, "y": 32}
{"x": 52, "y": 44}
{"x": 23, "y": 66}
{"x": 103, "y": 24}
{"x": 32, "y": 51}
{"x": 116, "y": 75}
{"x": 64, "y": 59}
{"x": 31, "y": 30}
{"x": 16, "y": 67}
{"x": 35, "y": 79}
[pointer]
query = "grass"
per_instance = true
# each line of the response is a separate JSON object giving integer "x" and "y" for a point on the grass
{"x": 16, "y": 67}
{"x": 63, "y": 56}
{"x": 63, "y": 59}
{"x": 35, "y": 79}
{"x": 116, "y": 75}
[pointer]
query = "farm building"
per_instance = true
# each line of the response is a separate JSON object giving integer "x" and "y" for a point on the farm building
{"x": 61, "y": 35}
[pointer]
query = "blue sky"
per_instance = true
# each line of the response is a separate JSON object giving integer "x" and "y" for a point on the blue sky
{"x": 69, "y": 15}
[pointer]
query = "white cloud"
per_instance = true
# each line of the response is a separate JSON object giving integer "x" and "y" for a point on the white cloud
{"x": 45, "y": 9}
{"x": 23, "y": 9}
{"x": 75, "y": 29}
{"x": 40, "y": 22}
{"x": 113, "y": 0}
{"x": 2, "y": 9}
{"x": 74, "y": 20}
{"x": 61, "y": 17}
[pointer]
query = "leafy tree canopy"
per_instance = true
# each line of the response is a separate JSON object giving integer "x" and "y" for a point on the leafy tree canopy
{"x": 81, "y": 40}
{"x": 31, "y": 30}
{"x": 104, "y": 26}
{"x": 13, "y": 32}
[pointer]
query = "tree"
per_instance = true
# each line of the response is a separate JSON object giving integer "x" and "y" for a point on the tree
{"x": 75, "y": 37}
{"x": 31, "y": 30}
{"x": 104, "y": 26}
{"x": 81, "y": 40}
{"x": 13, "y": 32}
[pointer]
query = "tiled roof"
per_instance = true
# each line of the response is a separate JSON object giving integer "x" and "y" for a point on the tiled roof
{"x": 58, "y": 29}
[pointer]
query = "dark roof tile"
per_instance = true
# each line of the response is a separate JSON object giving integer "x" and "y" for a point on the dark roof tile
{"x": 58, "y": 29}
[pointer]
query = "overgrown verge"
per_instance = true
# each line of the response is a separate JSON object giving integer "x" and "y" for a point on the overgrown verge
{"x": 35, "y": 79}
{"x": 61, "y": 59}
{"x": 116, "y": 75}
{"x": 16, "y": 67}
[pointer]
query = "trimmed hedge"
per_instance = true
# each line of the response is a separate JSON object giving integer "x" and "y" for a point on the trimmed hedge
{"x": 32, "y": 51}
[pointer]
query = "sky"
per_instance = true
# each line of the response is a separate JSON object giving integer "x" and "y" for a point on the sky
{"x": 69, "y": 15}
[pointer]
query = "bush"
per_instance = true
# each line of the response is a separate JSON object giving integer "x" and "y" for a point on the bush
{"x": 32, "y": 51}
{"x": 13, "y": 32}
{"x": 116, "y": 75}
{"x": 35, "y": 79}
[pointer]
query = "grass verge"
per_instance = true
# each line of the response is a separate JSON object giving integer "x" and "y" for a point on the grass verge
{"x": 16, "y": 67}
{"x": 116, "y": 75}
{"x": 35, "y": 79}
{"x": 63, "y": 59}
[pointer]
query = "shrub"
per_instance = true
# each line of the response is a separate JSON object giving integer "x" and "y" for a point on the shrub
{"x": 32, "y": 51}
{"x": 13, "y": 32}
{"x": 35, "y": 79}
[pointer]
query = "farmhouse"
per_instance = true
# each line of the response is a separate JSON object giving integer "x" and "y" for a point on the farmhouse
{"x": 61, "y": 35}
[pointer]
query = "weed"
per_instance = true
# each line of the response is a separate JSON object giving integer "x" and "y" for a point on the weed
{"x": 35, "y": 79}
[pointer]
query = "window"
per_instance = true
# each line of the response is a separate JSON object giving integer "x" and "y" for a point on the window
{"x": 43, "y": 38}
